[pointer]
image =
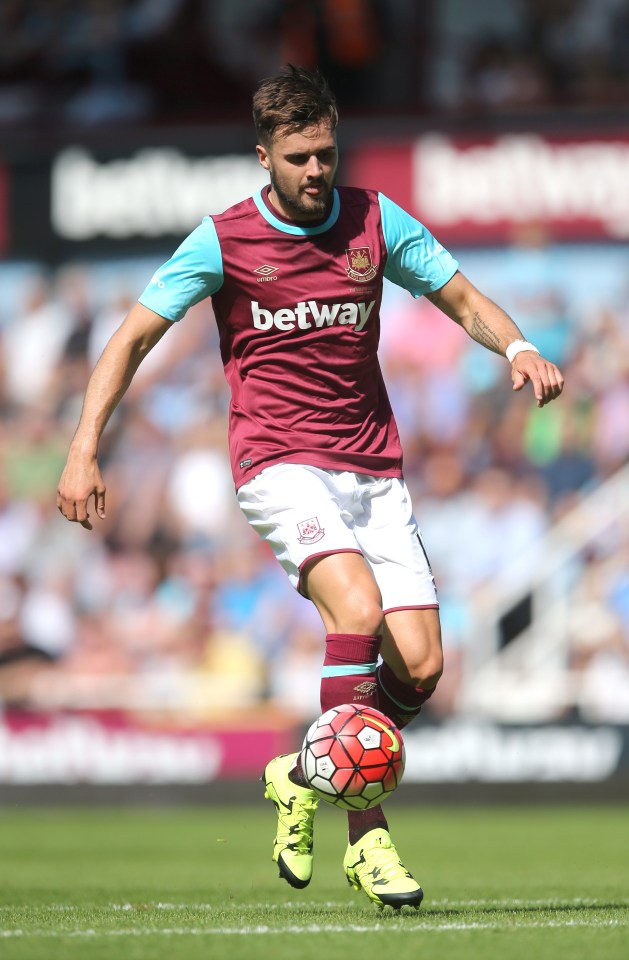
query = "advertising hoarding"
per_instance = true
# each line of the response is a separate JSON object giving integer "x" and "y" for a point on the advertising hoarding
{"x": 479, "y": 190}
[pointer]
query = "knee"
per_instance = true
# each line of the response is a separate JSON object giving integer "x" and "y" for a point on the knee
{"x": 362, "y": 615}
{"x": 425, "y": 671}
{"x": 345, "y": 593}
{"x": 430, "y": 674}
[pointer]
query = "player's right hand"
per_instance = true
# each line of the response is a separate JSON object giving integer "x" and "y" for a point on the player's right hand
{"x": 79, "y": 482}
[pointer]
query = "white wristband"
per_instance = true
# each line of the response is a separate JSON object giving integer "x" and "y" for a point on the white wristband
{"x": 518, "y": 346}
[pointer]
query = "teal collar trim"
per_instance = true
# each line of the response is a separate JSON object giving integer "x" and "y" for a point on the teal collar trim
{"x": 293, "y": 228}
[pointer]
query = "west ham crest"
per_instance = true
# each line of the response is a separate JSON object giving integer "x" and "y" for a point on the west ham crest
{"x": 360, "y": 267}
{"x": 310, "y": 530}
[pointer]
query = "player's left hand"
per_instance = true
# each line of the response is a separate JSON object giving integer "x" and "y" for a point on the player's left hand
{"x": 547, "y": 379}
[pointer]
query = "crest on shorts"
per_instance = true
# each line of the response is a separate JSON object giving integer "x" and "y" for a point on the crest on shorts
{"x": 310, "y": 530}
{"x": 360, "y": 265}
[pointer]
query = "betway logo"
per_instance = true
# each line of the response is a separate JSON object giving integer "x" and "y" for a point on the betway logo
{"x": 307, "y": 314}
{"x": 153, "y": 192}
{"x": 522, "y": 177}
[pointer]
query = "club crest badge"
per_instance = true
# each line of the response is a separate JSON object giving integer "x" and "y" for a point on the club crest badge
{"x": 360, "y": 265}
{"x": 310, "y": 530}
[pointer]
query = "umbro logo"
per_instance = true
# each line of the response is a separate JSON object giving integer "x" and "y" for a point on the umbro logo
{"x": 367, "y": 686}
{"x": 265, "y": 273}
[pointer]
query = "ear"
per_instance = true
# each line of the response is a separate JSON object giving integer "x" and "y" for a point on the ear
{"x": 263, "y": 156}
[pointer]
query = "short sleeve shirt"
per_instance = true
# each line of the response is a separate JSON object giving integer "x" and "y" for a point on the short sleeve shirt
{"x": 298, "y": 314}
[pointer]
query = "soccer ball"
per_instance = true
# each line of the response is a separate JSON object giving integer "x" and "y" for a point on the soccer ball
{"x": 353, "y": 756}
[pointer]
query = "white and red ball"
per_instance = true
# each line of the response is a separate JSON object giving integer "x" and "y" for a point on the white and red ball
{"x": 353, "y": 756}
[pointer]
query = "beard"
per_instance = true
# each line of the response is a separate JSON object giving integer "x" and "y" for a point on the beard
{"x": 301, "y": 204}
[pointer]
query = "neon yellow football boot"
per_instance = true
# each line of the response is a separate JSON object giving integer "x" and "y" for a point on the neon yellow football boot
{"x": 373, "y": 864}
{"x": 296, "y": 808}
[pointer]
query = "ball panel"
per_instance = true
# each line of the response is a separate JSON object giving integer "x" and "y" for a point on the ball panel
{"x": 370, "y": 738}
{"x": 376, "y": 791}
{"x": 326, "y": 717}
{"x": 352, "y": 747}
{"x": 324, "y": 788}
{"x": 342, "y": 721}
{"x": 354, "y": 803}
{"x": 320, "y": 748}
{"x": 324, "y": 767}
{"x": 322, "y": 731}
{"x": 308, "y": 765}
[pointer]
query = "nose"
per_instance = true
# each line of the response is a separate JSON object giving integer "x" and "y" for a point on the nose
{"x": 313, "y": 167}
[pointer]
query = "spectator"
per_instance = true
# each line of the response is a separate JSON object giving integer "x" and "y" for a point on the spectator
{"x": 32, "y": 344}
{"x": 188, "y": 598}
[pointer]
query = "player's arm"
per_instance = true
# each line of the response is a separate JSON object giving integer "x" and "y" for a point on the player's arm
{"x": 484, "y": 321}
{"x": 81, "y": 478}
{"x": 417, "y": 262}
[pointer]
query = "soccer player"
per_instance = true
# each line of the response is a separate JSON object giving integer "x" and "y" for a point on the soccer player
{"x": 295, "y": 274}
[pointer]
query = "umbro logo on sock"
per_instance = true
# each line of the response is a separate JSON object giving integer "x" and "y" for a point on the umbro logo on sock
{"x": 366, "y": 687}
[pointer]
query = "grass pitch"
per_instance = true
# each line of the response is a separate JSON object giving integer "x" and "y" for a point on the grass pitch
{"x": 500, "y": 884}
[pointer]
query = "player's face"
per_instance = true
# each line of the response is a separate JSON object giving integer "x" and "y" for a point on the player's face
{"x": 302, "y": 167}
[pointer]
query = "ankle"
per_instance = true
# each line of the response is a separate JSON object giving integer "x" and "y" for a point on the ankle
{"x": 296, "y": 774}
{"x": 360, "y": 822}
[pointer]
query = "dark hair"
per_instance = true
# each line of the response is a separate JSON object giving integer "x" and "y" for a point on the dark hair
{"x": 294, "y": 99}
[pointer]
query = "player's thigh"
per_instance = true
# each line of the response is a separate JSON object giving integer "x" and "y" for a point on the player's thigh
{"x": 389, "y": 538}
{"x": 344, "y": 591}
{"x": 411, "y": 645}
{"x": 295, "y": 510}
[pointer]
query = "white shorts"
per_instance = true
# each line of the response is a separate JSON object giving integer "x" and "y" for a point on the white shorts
{"x": 304, "y": 512}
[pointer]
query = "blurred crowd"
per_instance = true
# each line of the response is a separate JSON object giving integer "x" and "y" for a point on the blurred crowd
{"x": 523, "y": 55}
{"x": 85, "y": 63}
{"x": 172, "y": 604}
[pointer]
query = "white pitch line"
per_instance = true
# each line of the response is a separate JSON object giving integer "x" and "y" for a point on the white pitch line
{"x": 311, "y": 905}
{"x": 262, "y": 930}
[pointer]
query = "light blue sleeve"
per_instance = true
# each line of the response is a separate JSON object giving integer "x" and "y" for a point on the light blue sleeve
{"x": 194, "y": 272}
{"x": 415, "y": 260}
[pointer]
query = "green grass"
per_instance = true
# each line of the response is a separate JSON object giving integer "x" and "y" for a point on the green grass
{"x": 500, "y": 884}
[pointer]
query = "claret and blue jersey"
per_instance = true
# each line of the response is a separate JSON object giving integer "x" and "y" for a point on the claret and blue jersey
{"x": 298, "y": 313}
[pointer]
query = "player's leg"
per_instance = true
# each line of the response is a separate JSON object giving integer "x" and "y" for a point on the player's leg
{"x": 411, "y": 633}
{"x": 347, "y": 596}
{"x": 296, "y": 807}
{"x": 305, "y": 515}
{"x": 411, "y": 667}
{"x": 409, "y": 672}
{"x": 412, "y": 662}
{"x": 344, "y": 591}
{"x": 298, "y": 511}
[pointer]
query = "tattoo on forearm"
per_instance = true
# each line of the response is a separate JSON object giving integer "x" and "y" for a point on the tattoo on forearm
{"x": 434, "y": 298}
{"x": 483, "y": 333}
